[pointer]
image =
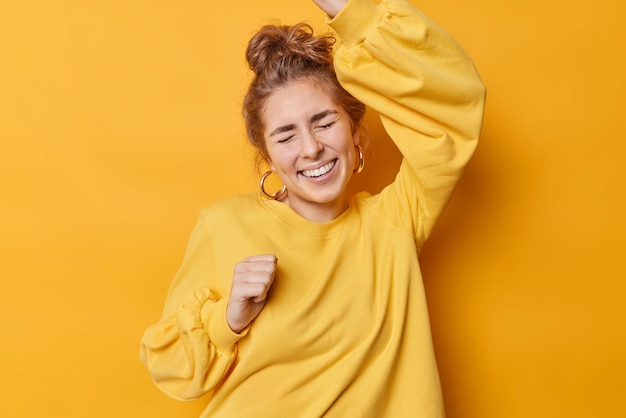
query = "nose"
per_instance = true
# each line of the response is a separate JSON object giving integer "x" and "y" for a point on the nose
{"x": 311, "y": 146}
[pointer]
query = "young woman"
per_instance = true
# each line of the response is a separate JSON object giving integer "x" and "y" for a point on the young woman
{"x": 309, "y": 302}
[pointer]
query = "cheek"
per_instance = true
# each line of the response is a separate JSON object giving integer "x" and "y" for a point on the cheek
{"x": 348, "y": 142}
{"x": 282, "y": 160}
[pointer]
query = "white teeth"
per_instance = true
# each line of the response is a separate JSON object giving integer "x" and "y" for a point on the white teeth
{"x": 319, "y": 171}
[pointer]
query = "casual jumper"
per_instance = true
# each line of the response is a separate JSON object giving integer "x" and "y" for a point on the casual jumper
{"x": 345, "y": 332}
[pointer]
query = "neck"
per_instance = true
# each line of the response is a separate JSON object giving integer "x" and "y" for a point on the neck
{"x": 318, "y": 212}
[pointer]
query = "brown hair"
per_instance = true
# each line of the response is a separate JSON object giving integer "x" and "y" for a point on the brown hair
{"x": 281, "y": 54}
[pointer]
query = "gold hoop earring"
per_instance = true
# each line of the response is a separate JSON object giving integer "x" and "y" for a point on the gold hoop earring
{"x": 359, "y": 152}
{"x": 276, "y": 196}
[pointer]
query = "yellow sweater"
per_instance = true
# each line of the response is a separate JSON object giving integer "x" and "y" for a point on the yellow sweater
{"x": 345, "y": 332}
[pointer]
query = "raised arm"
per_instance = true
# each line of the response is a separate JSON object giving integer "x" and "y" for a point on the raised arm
{"x": 427, "y": 91}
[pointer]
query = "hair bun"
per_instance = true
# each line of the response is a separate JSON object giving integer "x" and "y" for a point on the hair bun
{"x": 288, "y": 47}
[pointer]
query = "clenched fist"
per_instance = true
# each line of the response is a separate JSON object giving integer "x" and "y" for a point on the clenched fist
{"x": 252, "y": 279}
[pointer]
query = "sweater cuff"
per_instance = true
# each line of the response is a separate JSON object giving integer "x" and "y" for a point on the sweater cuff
{"x": 213, "y": 316}
{"x": 354, "y": 21}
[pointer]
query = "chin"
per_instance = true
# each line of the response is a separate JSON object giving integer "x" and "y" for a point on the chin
{"x": 330, "y": 198}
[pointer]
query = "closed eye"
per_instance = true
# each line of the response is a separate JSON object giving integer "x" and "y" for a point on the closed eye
{"x": 326, "y": 125}
{"x": 283, "y": 140}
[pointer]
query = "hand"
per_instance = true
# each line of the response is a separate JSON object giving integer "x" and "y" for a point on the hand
{"x": 331, "y": 7}
{"x": 252, "y": 279}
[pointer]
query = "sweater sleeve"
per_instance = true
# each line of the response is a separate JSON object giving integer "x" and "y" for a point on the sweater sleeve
{"x": 429, "y": 96}
{"x": 191, "y": 348}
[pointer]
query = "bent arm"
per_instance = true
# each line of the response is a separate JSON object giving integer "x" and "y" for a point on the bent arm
{"x": 190, "y": 350}
{"x": 427, "y": 92}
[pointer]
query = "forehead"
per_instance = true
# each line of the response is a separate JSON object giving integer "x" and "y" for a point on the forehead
{"x": 296, "y": 100}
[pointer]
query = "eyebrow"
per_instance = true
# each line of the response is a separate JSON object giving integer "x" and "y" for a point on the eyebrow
{"x": 315, "y": 118}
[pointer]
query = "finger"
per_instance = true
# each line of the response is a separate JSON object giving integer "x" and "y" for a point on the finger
{"x": 258, "y": 274}
{"x": 245, "y": 277}
{"x": 261, "y": 257}
{"x": 256, "y": 291}
{"x": 253, "y": 274}
{"x": 260, "y": 266}
{"x": 259, "y": 299}
{"x": 262, "y": 296}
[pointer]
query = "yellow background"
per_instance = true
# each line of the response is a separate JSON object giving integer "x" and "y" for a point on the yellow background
{"x": 120, "y": 119}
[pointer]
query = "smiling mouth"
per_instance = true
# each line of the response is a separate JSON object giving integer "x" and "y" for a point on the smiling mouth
{"x": 318, "y": 172}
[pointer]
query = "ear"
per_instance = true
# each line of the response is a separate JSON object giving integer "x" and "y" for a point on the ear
{"x": 356, "y": 136}
{"x": 264, "y": 159}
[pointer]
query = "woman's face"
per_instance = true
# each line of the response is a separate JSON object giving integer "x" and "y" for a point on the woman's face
{"x": 311, "y": 146}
